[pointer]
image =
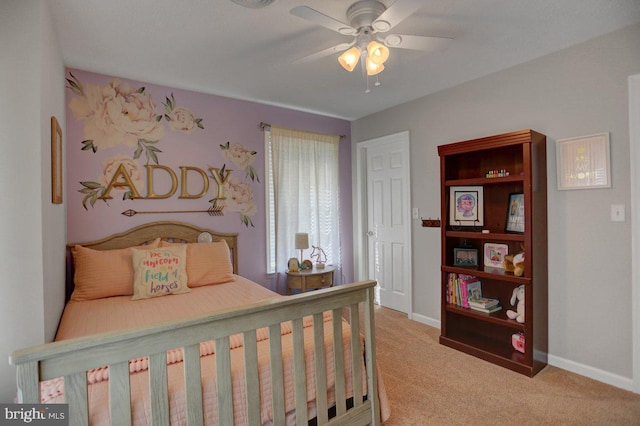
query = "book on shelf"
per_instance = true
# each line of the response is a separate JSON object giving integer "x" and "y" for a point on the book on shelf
{"x": 488, "y": 310}
{"x": 482, "y": 302}
{"x": 462, "y": 287}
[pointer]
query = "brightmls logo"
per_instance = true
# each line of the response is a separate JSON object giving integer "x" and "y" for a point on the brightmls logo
{"x": 34, "y": 414}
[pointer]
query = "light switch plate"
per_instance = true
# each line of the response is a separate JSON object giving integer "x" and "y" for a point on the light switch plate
{"x": 617, "y": 213}
{"x": 415, "y": 213}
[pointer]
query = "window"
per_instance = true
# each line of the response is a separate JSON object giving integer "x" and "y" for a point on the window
{"x": 302, "y": 194}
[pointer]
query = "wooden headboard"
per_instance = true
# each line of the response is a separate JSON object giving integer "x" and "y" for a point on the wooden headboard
{"x": 166, "y": 230}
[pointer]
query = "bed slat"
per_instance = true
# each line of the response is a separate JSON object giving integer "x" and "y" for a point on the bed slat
{"x": 356, "y": 360}
{"x": 193, "y": 385}
{"x": 223, "y": 381}
{"x": 370, "y": 356}
{"x": 119, "y": 391}
{"x": 252, "y": 383}
{"x": 320, "y": 368}
{"x": 158, "y": 389}
{"x": 299, "y": 372}
{"x": 75, "y": 394}
{"x": 277, "y": 376}
{"x": 338, "y": 356}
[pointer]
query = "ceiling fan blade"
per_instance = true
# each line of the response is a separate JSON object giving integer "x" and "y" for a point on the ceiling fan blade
{"x": 321, "y": 19}
{"x": 395, "y": 14}
{"x": 404, "y": 41}
{"x": 326, "y": 52}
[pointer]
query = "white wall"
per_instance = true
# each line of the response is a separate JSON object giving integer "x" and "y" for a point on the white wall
{"x": 31, "y": 90}
{"x": 578, "y": 91}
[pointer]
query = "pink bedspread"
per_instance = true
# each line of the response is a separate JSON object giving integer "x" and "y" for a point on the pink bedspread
{"x": 96, "y": 316}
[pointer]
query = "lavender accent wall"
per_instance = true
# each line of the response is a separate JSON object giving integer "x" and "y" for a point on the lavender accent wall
{"x": 180, "y": 128}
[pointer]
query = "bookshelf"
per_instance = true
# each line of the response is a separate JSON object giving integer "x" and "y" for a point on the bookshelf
{"x": 518, "y": 162}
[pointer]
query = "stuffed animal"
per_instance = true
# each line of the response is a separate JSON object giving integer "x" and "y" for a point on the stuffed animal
{"x": 518, "y": 314}
{"x": 514, "y": 263}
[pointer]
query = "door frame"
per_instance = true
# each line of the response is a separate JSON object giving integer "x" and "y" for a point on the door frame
{"x": 634, "y": 144}
{"x": 361, "y": 258}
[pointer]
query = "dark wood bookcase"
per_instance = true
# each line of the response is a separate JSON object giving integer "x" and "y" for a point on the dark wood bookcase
{"x": 466, "y": 164}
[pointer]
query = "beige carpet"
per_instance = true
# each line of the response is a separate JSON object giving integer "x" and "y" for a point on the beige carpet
{"x": 430, "y": 384}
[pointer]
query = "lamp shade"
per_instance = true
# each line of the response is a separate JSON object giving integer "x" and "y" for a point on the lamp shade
{"x": 349, "y": 58}
{"x": 377, "y": 53}
{"x": 302, "y": 241}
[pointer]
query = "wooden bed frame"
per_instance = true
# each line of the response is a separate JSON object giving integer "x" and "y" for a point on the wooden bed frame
{"x": 72, "y": 358}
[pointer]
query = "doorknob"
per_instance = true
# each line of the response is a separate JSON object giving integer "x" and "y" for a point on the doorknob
{"x": 371, "y": 234}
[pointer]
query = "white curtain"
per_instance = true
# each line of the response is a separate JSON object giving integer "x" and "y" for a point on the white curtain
{"x": 306, "y": 194}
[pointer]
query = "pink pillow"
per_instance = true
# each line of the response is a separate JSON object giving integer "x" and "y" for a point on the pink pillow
{"x": 207, "y": 263}
{"x": 103, "y": 273}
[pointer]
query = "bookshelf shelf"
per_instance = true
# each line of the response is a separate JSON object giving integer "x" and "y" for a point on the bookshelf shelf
{"x": 465, "y": 164}
{"x": 498, "y": 318}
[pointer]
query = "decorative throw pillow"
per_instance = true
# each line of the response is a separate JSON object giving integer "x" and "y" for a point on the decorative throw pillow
{"x": 159, "y": 272}
{"x": 104, "y": 273}
{"x": 207, "y": 263}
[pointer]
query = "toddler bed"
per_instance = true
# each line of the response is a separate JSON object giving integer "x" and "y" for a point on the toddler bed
{"x": 218, "y": 350}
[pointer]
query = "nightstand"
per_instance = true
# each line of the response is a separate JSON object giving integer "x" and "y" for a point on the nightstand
{"x": 310, "y": 279}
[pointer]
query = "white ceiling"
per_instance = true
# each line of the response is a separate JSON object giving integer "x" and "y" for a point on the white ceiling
{"x": 218, "y": 47}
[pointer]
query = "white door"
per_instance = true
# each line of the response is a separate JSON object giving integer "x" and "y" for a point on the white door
{"x": 388, "y": 217}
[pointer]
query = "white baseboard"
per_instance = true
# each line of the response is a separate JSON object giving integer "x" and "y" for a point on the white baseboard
{"x": 425, "y": 320}
{"x": 625, "y": 383}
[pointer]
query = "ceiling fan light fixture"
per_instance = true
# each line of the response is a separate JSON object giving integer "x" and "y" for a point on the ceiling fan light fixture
{"x": 349, "y": 59}
{"x": 377, "y": 53}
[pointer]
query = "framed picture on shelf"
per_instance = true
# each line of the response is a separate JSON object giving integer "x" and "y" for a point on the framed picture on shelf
{"x": 466, "y": 206}
{"x": 494, "y": 254}
{"x": 465, "y": 257}
{"x": 515, "y": 214}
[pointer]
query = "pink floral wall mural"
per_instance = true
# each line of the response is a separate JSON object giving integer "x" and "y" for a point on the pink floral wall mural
{"x": 138, "y": 152}
{"x": 120, "y": 114}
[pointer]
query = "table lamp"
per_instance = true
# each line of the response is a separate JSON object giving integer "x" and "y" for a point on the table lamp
{"x": 302, "y": 242}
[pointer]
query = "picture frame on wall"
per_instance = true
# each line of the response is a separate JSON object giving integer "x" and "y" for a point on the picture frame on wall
{"x": 515, "y": 214}
{"x": 584, "y": 162}
{"x": 56, "y": 161}
{"x": 465, "y": 257}
{"x": 466, "y": 206}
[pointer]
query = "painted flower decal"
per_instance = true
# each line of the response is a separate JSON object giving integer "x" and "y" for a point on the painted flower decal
{"x": 239, "y": 198}
{"x": 180, "y": 118}
{"x": 242, "y": 157}
{"x": 93, "y": 190}
{"x": 114, "y": 114}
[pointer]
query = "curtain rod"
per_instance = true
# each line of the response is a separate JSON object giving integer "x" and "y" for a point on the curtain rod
{"x": 263, "y": 125}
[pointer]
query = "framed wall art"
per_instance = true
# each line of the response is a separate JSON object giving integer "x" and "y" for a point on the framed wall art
{"x": 515, "y": 214}
{"x": 466, "y": 206}
{"x": 584, "y": 162}
{"x": 56, "y": 162}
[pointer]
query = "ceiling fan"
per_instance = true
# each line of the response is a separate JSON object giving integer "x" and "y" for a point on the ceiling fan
{"x": 369, "y": 22}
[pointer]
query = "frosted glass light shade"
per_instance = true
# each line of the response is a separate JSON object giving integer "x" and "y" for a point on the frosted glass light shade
{"x": 377, "y": 53}
{"x": 349, "y": 59}
{"x": 302, "y": 241}
{"x": 373, "y": 69}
